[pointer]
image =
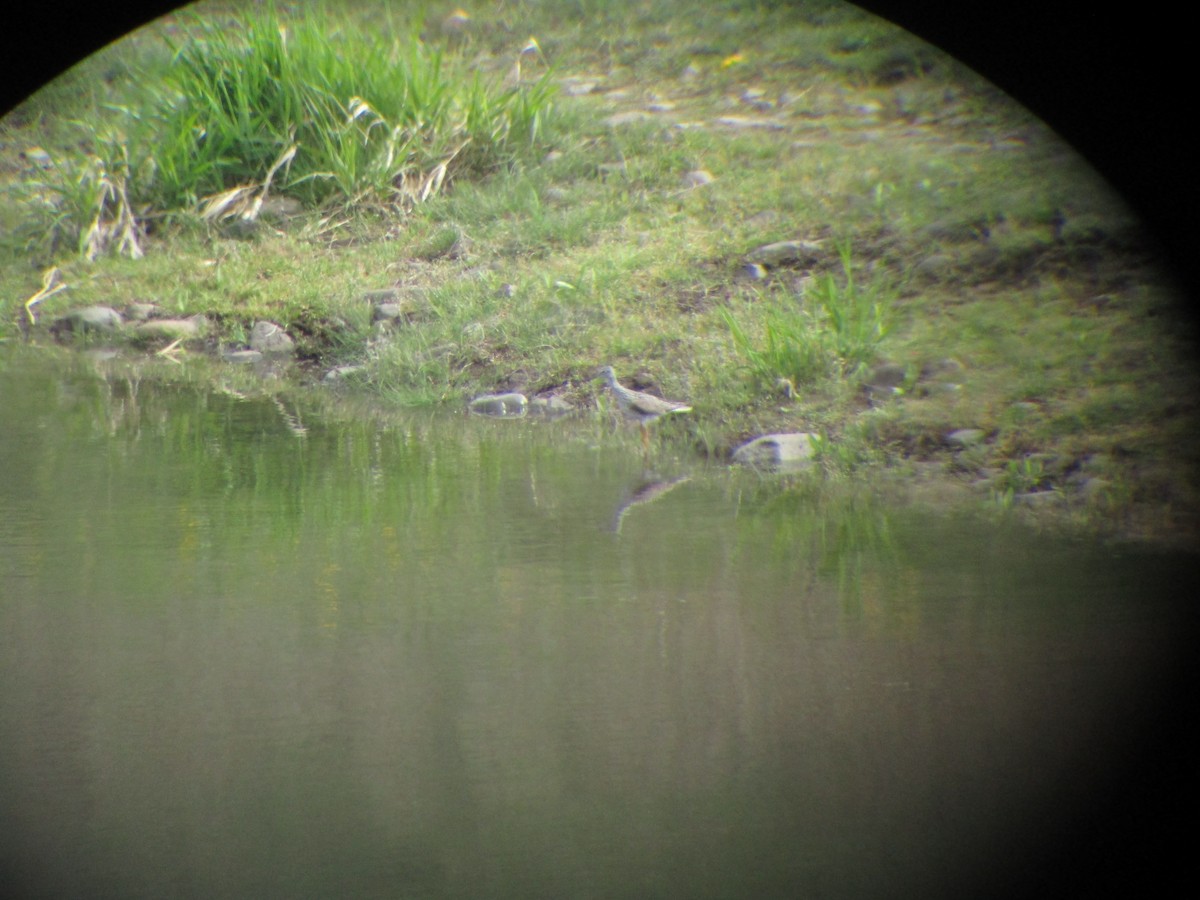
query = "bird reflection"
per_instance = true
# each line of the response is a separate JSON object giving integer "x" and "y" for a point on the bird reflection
{"x": 647, "y": 491}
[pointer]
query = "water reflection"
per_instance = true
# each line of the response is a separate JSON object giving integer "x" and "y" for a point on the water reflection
{"x": 649, "y": 488}
{"x": 253, "y": 645}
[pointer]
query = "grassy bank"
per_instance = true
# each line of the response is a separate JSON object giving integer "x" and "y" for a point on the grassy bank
{"x": 542, "y": 207}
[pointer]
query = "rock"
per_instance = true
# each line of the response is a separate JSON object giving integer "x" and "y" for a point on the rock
{"x": 574, "y": 88}
{"x": 867, "y": 108}
{"x": 456, "y": 24}
{"x": 743, "y": 122}
{"x": 89, "y": 318}
{"x": 884, "y": 381}
{"x": 550, "y": 406}
{"x": 935, "y": 267}
{"x": 697, "y": 178}
{"x": 763, "y": 219}
{"x": 786, "y": 252}
{"x": 339, "y": 372}
{"x": 510, "y": 404}
{"x": 277, "y": 208}
{"x": 172, "y": 329}
{"x": 613, "y": 168}
{"x": 1024, "y": 410}
{"x": 946, "y": 366}
{"x": 888, "y": 375}
{"x": 939, "y": 389}
{"x": 242, "y": 356}
{"x": 786, "y": 451}
{"x": 965, "y": 437}
{"x": 102, "y": 355}
{"x": 1092, "y": 488}
{"x": 270, "y": 339}
{"x": 240, "y": 229}
{"x": 140, "y": 312}
{"x": 383, "y": 295}
{"x": 756, "y": 98}
{"x": 37, "y": 157}
{"x": 1039, "y": 498}
{"x": 389, "y": 313}
{"x": 626, "y": 117}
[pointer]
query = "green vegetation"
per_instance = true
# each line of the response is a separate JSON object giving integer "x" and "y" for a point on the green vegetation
{"x": 336, "y": 112}
{"x": 546, "y": 187}
{"x": 837, "y": 334}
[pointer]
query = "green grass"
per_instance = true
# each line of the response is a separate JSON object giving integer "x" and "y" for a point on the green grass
{"x": 536, "y": 241}
{"x": 832, "y": 329}
{"x": 314, "y": 107}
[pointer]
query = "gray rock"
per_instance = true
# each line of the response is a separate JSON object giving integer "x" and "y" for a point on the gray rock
{"x": 786, "y": 451}
{"x": 172, "y": 329}
{"x": 270, "y": 339}
{"x": 241, "y": 228}
{"x": 965, "y": 437}
{"x": 698, "y": 178}
{"x": 935, "y": 267}
{"x": 1024, "y": 410}
{"x": 785, "y": 252}
{"x": 382, "y": 295}
{"x": 1039, "y": 498}
{"x": 869, "y": 108}
{"x": 743, "y": 122}
{"x": 939, "y": 389}
{"x": 510, "y": 404}
{"x": 242, "y": 356}
{"x": 886, "y": 376}
{"x": 626, "y": 117}
{"x": 340, "y": 372}
{"x": 946, "y": 366}
{"x": 884, "y": 382}
{"x": 140, "y": 312}
{"x": 574, "y": 88}
{"x": 550, "y": 406}
{"x": 89, "y": 318}
{"x": 38, "y": 158}
{"x": 614, "y": 168}
{"x": 102, "y": 354}
{"x": 390, "y": 313}
{"x": 1092, "y": 487}
{"x": 278, "y": 208}
{"x": 756, "y": 98}
{"x": 763, "y": 219}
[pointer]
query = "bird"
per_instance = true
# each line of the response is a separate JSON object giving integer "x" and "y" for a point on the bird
{"x": 644, "y": 408}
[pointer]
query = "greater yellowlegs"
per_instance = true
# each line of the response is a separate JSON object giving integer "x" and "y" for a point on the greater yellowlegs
{"x": 644, "y": 408}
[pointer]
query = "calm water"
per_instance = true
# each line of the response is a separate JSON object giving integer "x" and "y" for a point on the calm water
{"x": 263, "y": 648}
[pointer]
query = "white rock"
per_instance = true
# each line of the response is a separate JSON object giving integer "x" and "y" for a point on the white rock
{"x": 788, "y": 450}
